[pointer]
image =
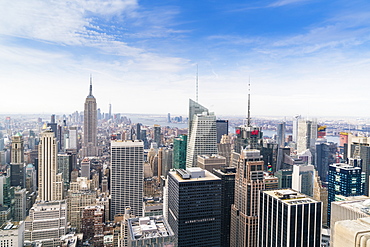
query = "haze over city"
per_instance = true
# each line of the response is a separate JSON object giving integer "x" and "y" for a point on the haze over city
{"x": 302, "y": 56}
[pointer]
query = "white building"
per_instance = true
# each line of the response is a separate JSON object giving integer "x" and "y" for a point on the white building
{"x": 127, "y": 176}
{"x": 50, "y": 185}
{"x": 303, "y": 179}
{"x": 203, "y": 138}
{"x": 12, "y": 234}
{"x": 46, "y": 223}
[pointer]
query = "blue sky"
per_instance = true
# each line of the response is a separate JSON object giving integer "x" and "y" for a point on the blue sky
{"x": 305, "y": 57}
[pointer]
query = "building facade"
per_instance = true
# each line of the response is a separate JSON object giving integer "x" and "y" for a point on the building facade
{"x": 127, "y": 176}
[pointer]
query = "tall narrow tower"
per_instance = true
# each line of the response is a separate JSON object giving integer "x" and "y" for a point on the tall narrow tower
{"x": 17, "y": 166}
{"x": 90, "y": 125}
{"x": 249, "y": 180}
{"x": 50, "y": 185}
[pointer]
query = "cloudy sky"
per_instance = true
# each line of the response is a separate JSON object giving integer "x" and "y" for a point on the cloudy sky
{"x": 305, "y": 57}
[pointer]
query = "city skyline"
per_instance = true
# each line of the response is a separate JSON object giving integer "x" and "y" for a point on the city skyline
{"x": 302, "y": 56}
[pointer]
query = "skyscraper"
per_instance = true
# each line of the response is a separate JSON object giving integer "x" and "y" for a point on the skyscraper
{"x": 222, "y": 128}
{"x": 249, "y": 180}
{"x": 179, "y": 151}
{"x": 344, "y": 180}
{"x": 157, "y": 135}
{"x": 281, "y": 134}
{"x": 288, "y": 218}
{"x": 49, "y": 187}
{"x": 194, "y": 108}
{"x": 227, "y": 175}
{"x": 90, "y": 125}
{"x": 127, "y": 176}
{"x": 202, "y": 138}
{"x": 194, "y": 207}
{"x": 17, "y": 165}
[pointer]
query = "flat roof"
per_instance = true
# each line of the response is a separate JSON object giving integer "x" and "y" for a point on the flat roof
{"x": 360, "y": 204}
{"x": 149, "y": 227}
{"x": 208, "y": 176}
{"x": 290, "y": 196}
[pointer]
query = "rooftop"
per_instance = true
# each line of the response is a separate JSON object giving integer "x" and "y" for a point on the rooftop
{"x": 360, "y": 204}
{"x": 10, "y": 225}
{"x": 193, "y": 174}
{"x": 290, "y": 196}
{"x": 148, "y": 227}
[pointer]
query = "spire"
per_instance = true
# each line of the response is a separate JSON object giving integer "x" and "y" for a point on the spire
{"x": 197, "y": 86}
{"x": 249, "y": 103}
{"x": 90, "y": 94}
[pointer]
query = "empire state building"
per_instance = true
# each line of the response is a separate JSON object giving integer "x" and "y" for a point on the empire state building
{"x": 90, "y": 125}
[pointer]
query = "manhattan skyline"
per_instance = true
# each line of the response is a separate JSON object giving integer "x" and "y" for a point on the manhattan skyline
{"x": 303, "y": 56}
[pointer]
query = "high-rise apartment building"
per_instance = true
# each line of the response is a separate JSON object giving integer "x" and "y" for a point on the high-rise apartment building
{"x": 249, "y": 180}
{"x": 179, "y": 151}
{"x": 17, "y": 165}
{"x": 50, "y": 184}
{"x": 346, "y": 180}
{"x": 194, "y": 207}
{"x": 288, "y": 218}
{"x": 202, "y": 138}
{"x": 127, "y": 176}
{"x": 90, "y": 142}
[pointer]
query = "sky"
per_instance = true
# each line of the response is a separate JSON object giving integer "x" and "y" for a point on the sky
{"x": 306, "y": 57}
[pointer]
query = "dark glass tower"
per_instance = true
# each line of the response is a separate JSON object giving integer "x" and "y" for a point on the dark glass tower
{"x": 179, "y": 152}
{"x": 227, "y": 175}
{"x": 194, "y": 207}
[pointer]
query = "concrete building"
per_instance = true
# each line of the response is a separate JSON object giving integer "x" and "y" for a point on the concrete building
{"x": 288, "y": 218}
{"x": 85, "y": 168}
{"x": 210, "y": 162}
{"x": 352, "y": 233}
{"x": 194, "y": 207}
{"x": 306, "y": 135}
{"x": 12, "y": 234}
{"x": 20, "y": 205}
{"x": 90, "y": 141}
{"x": 224, "y": 149}
{"x": 281, "y": 134}
{"x": 50, "y": 185}
{"x": 149, "y": 231}
{"x": 202, "y": 139}
{"x": 320, "y": 193}
{"x": 127, "y": 176}
{"x": 349, "y": 208}
{"x": 249, "y": 181}
{"x": 46, "y": 223}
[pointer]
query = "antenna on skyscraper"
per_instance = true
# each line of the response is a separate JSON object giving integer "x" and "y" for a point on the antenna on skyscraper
{"x": 90, "y": 85}
{"x": 249, "y": 103}
{"x": 197, "y": 85}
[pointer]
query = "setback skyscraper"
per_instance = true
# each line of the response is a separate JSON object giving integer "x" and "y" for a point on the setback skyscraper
{"x": 50, "y": 183}
{"x": 90, "y": 125}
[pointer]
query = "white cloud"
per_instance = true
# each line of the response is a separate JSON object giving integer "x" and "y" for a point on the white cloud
{"x": 280, "y": 3}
